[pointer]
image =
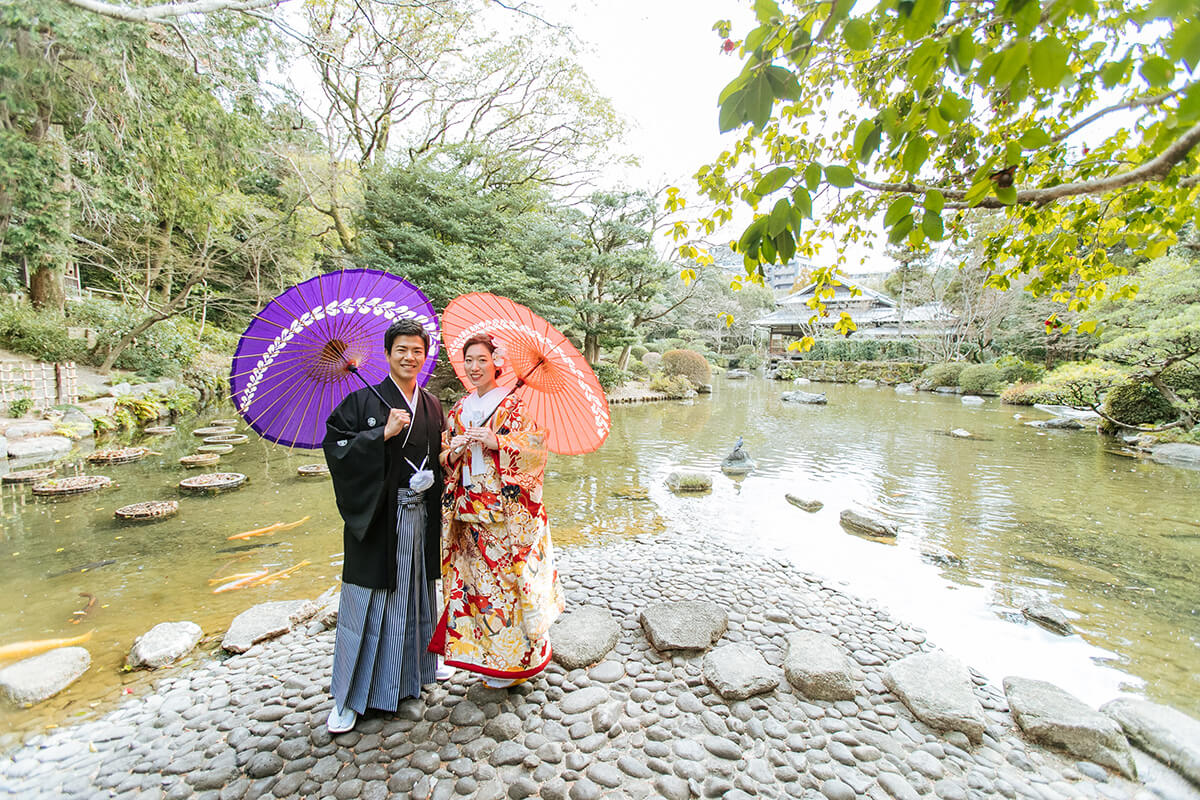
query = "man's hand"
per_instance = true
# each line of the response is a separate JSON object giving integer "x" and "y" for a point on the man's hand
{"x": 397, "y": 421}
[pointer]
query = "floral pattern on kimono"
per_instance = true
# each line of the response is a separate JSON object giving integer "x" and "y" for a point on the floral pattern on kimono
{"x": 499, "y": 582}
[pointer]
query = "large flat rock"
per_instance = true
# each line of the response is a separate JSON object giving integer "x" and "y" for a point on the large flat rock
{"x": 808, "y": 398}
{"x": 1180, "y": 454}
{"x": 818, "y": 667}
{"x": 738, "y": 671}
{"x": 35, "y": 679}
{"x": 163, "y": 644}
{"x": 939, "y": 691}
{"x": 39, "y": 447}
{"x": 27, "y": 430}
{"x": 1053, "y": 716}
{"x": 684, "y": 625}
{"x": 583, "y": 637}
{"x": 265, "y": 621}
{"x": 1169, "y": 735}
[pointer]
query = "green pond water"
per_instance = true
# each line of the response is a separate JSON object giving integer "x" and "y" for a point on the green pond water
{"x": 1032, "y": 514}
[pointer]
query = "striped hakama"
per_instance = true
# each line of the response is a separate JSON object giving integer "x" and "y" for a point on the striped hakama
{"x": 380, "y": 653}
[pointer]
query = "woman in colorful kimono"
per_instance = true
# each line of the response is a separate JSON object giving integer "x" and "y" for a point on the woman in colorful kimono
{"x": 498, "y": 577}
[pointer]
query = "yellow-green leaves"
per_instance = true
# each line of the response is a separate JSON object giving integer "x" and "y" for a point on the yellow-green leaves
{"x": 1048, "y": 62}
{"x": 867, "y": 138}
{"x": 857, "y": 34}
{"x": 1157, "y": 71}
{"x": 915, "y": 154}
{"x": 922, "y": 14}
{"x": 840, "y": 176}
{"x": 773, "y": 180}
{"x": 899, "y": 208}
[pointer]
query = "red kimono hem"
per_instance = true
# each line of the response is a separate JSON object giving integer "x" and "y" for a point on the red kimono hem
{"x": 438, "y": 645}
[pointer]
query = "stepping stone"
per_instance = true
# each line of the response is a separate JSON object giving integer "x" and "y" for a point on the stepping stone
{"x": 1169, "y": 735}
{"x": 40, "y": 677}
{"x": 164, "y": 643}
{"x": 327, "y": 604}
{"x": 583, "y": 637}
{"x": 684, "y": 625}
{"x": 939, "y": 691}
{"x": 738, "y": 671}
{"x": 807, "y": 505}
{"x": 818, "y": 667}
{"x": 1055, "y": 717}
{"x": 1049, "y": 617}
{"x": 869, "y": 525}
{"x": 40, "y": 447}
{"x": 807, "y": 398}
{"x": 265, "y": 621}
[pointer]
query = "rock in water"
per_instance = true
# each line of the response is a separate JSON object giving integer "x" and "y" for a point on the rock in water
{"x": 737, "y": 375}
{"x": 1049, "y": 617}
{"x": 265, "y": 621}
{"x": 939, "y": 555}
{"x": 905, "y": 388}
{"x": 817, "y": 667}
{"x": 808, "y": 505}
{"x": 961, "y": 433}
{"x": 804, "y": 397}
{"x": 1058, "y": 423}
{"x": 39, "y": 678}
{"x": 868, "y": 383}
{"x": 1053, "y": 716}
{"x": 868, "y": 525}
{"x": 971, "y": 400}
{"x": 680, "y": 481}
{"x": 164, "y": 643}
{"x": 685, "y": 625}
{"x": 1180, "y": 454}
{"x": 738, "y": 671}
{"x": 939, "y": 691}
{"x": 1169, "y": 735}
{"x": 739, "y": 461}
{"x": 583, "y": 637}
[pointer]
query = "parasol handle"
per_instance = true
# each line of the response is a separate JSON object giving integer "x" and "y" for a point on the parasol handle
{"x": 354, "y": 369}
{"x": 520, "y": 382}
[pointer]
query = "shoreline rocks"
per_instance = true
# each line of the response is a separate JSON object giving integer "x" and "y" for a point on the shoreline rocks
{"x": 1169, "y": 735}
{"x": 40, "y": 677}
{"x": 817, "y": 667}
{"x": 164, "y": 644}
{"x": 1050, "y": 617}
{"x": 937, "y": 688}
{"x": 1053, "y": 716}
{"x": 583, "y": 637}
{"x": 811, "y": 506}
{"x": 265, "y": 621}
{"x": 684, "y": 625}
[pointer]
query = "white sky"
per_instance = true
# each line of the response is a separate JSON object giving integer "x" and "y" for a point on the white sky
{"x": 660, "y": 63}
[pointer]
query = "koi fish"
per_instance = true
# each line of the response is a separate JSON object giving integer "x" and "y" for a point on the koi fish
{"x": 19, "y": 650}
{"x": 77, "y": 616}
{"x": 269, "y": 529}
{"x": 283, "y": 573}
{"x": 246, "y": 547}
{"x": 242, "y": 582}
{"x": 83, "y": 568}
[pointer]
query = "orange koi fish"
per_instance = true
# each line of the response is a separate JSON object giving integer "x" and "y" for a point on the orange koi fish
{"x": 242, "y": 581}
{"x": 18, "y": 650}
{"x": 269, "y": 529}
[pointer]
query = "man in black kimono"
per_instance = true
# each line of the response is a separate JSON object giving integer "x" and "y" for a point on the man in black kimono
{"x": 384, "y": 464}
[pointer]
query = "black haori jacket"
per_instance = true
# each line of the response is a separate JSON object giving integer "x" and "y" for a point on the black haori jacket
{"x": 367, "y": 472}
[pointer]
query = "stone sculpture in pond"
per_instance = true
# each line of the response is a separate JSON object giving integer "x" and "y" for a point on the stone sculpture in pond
{"x": 739, "y": 461}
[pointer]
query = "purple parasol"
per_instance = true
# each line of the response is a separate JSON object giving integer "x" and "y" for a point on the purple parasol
{"x": 297, "y": 359}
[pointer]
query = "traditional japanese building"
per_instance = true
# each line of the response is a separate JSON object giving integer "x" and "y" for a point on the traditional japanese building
{"x": 876, "y": 315}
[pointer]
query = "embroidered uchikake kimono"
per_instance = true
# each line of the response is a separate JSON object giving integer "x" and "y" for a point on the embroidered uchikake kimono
{"x": 499, "y": 582}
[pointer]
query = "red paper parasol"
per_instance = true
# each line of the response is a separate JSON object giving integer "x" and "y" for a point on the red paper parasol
{"x": 559, "y": 389}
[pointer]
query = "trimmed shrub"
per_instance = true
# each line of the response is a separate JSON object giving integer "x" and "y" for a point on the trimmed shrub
{"x": 857, "y": 349}
{"x": 981, "y": 379}
{"x": 1075, "y": 383}
{"x": 752, "y": 361}
{"x": 687, "y": 363}
{"x": 41, "y": 334}
{"x": 1136, "y": 403}
{"x": 673, "y": 386}
{"x": 944, "y": 374}
{"x": 637, "y": 351}
{"x": 1014, "y": 370}
{"x": 1184, "y": 379}
{"x": 638, "y": 369}
{"x": 610, "y": 375}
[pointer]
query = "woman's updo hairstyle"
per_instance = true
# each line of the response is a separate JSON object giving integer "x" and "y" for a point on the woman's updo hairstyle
{"x": 486, "y": 340}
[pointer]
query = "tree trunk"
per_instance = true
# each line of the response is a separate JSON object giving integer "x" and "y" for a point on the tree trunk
{"x": 121, "y": 346}
{"x": 1175, "y": 400}
{"x": 46, "y": 289}
{"x": 623, "y": 361}
{"x": 591, "y": 348}
{"x": 343, "y": 230}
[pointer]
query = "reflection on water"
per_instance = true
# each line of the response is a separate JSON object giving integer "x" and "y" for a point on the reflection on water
{"x": 1031, "y": 513}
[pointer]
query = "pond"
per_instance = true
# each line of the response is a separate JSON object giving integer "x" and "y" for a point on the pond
{"x": 1032, "y": 514}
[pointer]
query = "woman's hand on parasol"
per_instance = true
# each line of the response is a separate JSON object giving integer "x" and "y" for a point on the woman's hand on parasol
{"x": 397, "y": 421}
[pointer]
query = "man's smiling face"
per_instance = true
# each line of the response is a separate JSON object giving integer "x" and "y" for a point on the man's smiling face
{"x": 406, "y": 358}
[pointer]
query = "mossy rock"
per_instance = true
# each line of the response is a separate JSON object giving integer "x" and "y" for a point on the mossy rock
{"x": 689, "y": 482}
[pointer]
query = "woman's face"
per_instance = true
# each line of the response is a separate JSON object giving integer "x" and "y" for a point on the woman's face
{"x": 479, "y": 365}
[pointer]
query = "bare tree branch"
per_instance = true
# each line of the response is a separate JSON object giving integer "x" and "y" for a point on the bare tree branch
{"x": 167, "y": 11}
